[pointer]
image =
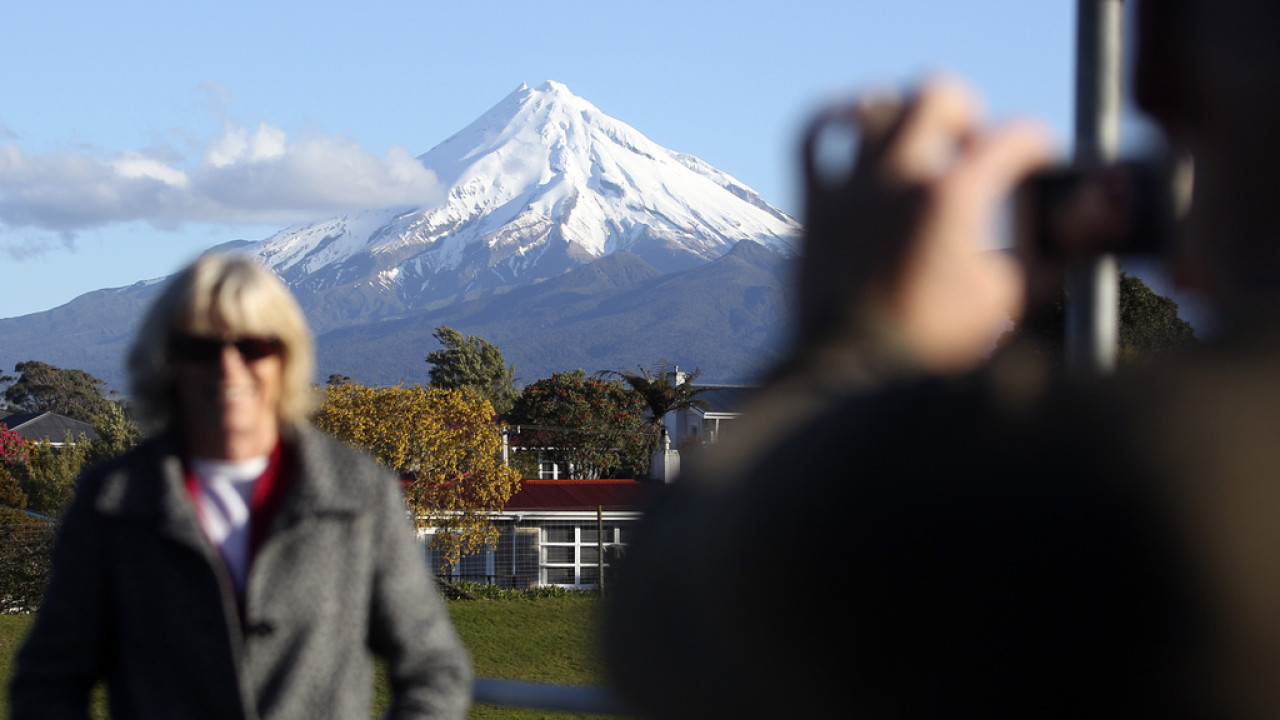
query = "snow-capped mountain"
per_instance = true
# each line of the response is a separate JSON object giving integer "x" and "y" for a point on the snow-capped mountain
{"x": 541, "y": 183}
{"x": 562, "y": 235}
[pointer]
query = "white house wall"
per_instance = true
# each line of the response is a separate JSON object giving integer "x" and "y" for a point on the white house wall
{"x": 526, "y": 558}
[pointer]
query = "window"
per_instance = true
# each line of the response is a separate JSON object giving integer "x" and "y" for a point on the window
{"x": 571, "y": 552}
{"x": 551, "y": 470}
{"x": 478, "y": 567}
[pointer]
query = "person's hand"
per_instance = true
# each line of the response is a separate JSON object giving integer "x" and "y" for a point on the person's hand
{"x": 904, "y": 238}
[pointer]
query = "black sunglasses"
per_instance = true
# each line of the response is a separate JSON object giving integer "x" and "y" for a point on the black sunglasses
{"x": 197, "y": 349}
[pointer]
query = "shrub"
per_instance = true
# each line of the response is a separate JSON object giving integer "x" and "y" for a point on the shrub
{"x": 493, "y": 592}
{"x": 26, "y": 548}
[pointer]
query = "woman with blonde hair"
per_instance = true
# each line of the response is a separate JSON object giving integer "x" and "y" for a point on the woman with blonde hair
{"x": 237, "y": 564}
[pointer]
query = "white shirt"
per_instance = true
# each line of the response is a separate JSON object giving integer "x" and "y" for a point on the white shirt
{"x": 225, "y": 488}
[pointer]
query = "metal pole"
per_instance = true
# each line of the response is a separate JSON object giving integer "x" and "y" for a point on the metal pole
{"x": 600, "y": 544}
{"x": 1093, "y": 285}
{"x": 543, "y": 696}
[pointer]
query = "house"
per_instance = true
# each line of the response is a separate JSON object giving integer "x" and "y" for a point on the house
{"x": 717, "y": 408}
{"x": 723, "y": 404}
{"x": 720, "y": 405}
{"x": 564, "y": 532}
{"x": 559, "y": 532}
{"x": 38, "y": 426}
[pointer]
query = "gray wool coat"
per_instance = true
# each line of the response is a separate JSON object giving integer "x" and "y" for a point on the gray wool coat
{"x": 140, "y": 598}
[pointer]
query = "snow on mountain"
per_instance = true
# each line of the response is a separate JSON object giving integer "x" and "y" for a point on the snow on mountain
{"x": 541, "y": 183}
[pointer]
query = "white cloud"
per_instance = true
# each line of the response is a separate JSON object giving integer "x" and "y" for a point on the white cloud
{"x": 237, "y": 146}
{"x": 133, "y": 165}
{"x": 240, "y": 177}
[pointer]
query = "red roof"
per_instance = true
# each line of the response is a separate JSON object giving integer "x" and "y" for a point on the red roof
{"x": 582, "y": 495}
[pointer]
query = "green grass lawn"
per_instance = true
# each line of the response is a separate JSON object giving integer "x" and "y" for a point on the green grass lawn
{"x": 544, "y": 640}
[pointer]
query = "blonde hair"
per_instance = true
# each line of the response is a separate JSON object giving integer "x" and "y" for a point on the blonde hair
{"x": 215, "y": 294}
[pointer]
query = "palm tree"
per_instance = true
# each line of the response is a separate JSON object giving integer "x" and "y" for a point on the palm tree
{"x": 664, "y": 389}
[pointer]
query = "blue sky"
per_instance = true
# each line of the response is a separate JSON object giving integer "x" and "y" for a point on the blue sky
{"x": 135, "y": 134}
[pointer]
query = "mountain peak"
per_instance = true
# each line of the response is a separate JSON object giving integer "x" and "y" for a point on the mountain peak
{"x": 551, "y": 89}
{"x": 540, "y": 183}
{"x": 550, "y": 93}
{"x": 552, "y": 86}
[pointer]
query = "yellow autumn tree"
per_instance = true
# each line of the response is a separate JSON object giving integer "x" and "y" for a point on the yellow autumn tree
{"x": 447, "y": 445}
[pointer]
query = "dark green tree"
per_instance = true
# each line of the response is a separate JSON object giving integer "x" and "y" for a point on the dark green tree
{"x": 663, "y": 388}
{"x": 49, "y": 477}
{"x": 594, "y": 426}
{"x": 338, "y": 380}
{"x": 1149, "y": 322}
{"x": 1149, "y": 326}
{"x": 41, "y": 387}
{"x": 472, "y": 362}
{"x": 117, "y": 432}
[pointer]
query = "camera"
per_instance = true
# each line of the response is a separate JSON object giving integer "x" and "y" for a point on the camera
{"x": 1074, "y": 212}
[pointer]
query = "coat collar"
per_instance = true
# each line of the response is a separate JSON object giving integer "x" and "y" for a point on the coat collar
{"x": 147, "y": 484}
{"x": 319, "y": 487}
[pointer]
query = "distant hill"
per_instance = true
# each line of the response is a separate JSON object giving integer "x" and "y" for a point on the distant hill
{"x": 728, "y": 317}
{"x": 90, "y": 333}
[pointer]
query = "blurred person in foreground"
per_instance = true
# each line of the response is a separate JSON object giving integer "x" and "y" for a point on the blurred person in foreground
{"x": 905, "y": 528}
{"x": 237, "y": 564}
